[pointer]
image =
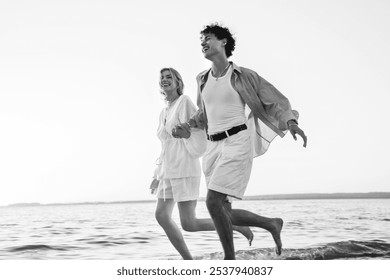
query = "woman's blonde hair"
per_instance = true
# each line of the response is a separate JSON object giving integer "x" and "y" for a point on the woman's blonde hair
{"x": 176, "y": 76}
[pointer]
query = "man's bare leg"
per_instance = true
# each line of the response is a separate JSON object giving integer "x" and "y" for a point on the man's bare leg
{"x": 222, "y": 221}
{"x": 244, "y": 230}
{"x": 190, "y": 223}
{"x": 273, "y": 225}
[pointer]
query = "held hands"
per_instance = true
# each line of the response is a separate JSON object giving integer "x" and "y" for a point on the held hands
{"x": 154, "y": 186}
{"x": 294, "y": 130}
{"x": 181, "y": 131}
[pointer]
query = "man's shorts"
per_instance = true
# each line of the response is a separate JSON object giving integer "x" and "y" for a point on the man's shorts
{"x": 227, "y": 164}
{"x": 180, "y": 189}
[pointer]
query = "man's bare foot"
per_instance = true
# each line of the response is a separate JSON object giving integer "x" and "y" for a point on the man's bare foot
{"x": 246, "y": 231}
{"x": 278, "y": 225}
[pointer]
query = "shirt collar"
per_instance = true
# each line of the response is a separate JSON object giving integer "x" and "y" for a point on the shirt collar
{"x": 204, "y": 74}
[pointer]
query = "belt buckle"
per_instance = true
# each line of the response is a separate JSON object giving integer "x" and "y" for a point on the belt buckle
{"x": 211, "y": 138}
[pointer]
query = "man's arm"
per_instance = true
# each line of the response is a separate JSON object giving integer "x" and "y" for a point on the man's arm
{"x": 277, "y": 106}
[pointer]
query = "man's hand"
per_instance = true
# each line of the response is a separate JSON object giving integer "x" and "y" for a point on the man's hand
{"x": 181, "y": 131}
{"x": 154, "y": 186}
{"x": 294, "y": 130}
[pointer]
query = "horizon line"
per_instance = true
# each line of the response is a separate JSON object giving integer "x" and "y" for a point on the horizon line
{"x": 291, "y": 196}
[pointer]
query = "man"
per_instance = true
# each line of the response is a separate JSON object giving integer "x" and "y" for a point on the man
{"x": 241, "y": 113}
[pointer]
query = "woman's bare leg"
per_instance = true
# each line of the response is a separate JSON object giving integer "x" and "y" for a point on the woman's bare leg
{"x": 164, "y": 217}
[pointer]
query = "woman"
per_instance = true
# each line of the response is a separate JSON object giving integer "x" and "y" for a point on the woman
{"x": 177, "y": 176}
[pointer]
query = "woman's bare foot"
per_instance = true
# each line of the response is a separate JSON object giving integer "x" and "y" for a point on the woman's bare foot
{"x": 278, "y": 225}
{"x": 246, "y": 231}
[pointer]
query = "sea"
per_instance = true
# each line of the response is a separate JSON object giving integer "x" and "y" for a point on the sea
{"x": 314, "y": 229}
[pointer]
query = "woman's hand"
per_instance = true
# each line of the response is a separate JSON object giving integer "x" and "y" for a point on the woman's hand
{"x": 181, "y": 131}
{"x": 154, "y": 186}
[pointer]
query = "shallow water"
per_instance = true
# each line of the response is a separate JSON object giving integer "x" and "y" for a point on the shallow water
{"x": 313, "y": 229}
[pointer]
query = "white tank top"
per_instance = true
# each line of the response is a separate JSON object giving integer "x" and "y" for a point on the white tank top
{"x": 224, "y": 106}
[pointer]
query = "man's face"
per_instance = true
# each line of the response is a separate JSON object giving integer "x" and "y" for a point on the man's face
{"x": 212, "y": 46}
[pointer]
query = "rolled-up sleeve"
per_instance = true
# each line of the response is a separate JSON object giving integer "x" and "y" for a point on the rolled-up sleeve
{"x": 275, "y": 103}
{"x": 196, "y": 144}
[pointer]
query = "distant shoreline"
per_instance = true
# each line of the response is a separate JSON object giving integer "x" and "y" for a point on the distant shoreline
{"x": 370, "y": 195}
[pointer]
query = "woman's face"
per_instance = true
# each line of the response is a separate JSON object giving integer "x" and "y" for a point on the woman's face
{"x": 167, "y": 82}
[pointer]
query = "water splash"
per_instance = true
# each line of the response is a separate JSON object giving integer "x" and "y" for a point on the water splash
{"x": 373, "y": 249}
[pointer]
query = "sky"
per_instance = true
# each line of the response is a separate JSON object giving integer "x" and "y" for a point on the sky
{"x": 79, "y": 94}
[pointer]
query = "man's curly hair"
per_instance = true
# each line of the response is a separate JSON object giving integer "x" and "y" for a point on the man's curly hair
{"x": 221, "y": 33}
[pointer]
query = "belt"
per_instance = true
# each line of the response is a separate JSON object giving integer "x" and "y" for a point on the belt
{"x": 227, "y": 133}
